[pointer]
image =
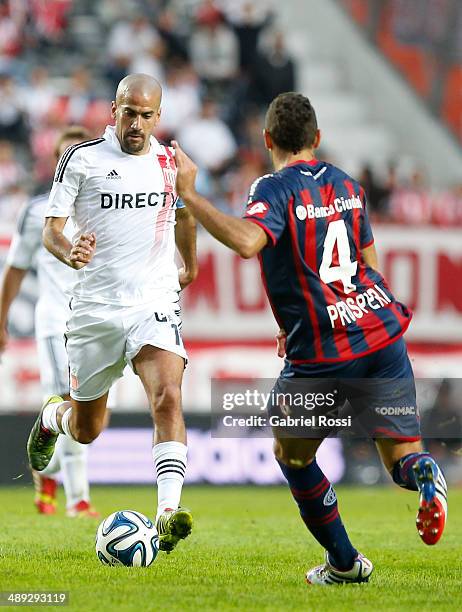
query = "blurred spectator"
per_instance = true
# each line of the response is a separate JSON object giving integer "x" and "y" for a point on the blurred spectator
{"x": 274, "y": 70}
{"x": 12, "y": 119}
{"x": 377, "y": 194}
{"x": 180, "y": 99}
{"x": 48, "y": 20}
{"x": 38, "y": 94}
{"x": 247, "y": 19}
{"x": 174, "y": 35}
{"x": 411, "y": 204}
{"x": 213, "y": 47}
{"x": 10, "y": 39}
{"x": 128, "y": 40}
{"x": 42, "y": 143}
{"x": 447, "y": 207}
{"x": 237, "y": 181}
{"x": 11, "y": 172}
{"x": 208, "y": 139}
{"x": 150, "y": 61}
{"x": 11, "y": 202}
{"x": 73, "y": 106}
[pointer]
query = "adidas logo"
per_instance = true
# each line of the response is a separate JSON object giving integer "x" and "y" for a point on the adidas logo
{"x": 113, "y": 175}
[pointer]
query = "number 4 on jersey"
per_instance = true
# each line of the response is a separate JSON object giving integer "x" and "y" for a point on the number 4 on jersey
{"x": 337, "y": 234}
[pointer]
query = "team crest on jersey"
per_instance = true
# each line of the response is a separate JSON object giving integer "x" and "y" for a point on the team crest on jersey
{"x": 257, "y": 209}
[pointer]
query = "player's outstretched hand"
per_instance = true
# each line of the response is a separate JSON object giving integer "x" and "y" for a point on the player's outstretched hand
{"x": 281, "y": 342}
{"x": 187, "y": 171}
{"x": 82, "y": 250}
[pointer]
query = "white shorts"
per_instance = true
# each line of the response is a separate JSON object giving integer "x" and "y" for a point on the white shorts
{"x": 101, "y": 339}
{"x": 53, "y": 365}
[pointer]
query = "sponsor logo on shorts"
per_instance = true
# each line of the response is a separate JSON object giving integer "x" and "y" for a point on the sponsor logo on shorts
{"x": 395, "y": 410}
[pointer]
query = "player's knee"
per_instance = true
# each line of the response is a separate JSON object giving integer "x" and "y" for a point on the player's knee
{"x": 85, "y": 434}
{"x": 166, "y": 399}
{"x": 291, "y": 454}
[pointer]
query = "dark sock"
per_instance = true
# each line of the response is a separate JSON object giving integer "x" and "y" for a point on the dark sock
{"x": 403, "y": 474}
{"x": 317, "y": 502}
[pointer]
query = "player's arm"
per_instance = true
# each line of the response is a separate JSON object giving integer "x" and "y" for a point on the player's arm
{"x": 244, "y": 237}
{"x": 76, "y": 255}
{"x": 10, "y": 285}
{"x": 69, "y": 178}
{"x": 185, "y": 238}
{"x": 24, "y": 246}
{"x": 369, "y": 255}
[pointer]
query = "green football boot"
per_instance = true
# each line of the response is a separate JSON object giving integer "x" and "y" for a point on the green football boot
{"x": 41, "y": 442}
{"x": 173, "y": 526}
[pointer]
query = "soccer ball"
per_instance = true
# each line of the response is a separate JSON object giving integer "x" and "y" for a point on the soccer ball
{"x": 127, "y": 538}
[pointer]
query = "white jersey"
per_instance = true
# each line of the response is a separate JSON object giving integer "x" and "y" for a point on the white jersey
{"x": 129, "y": 202}
{"x": 55, "y": 278}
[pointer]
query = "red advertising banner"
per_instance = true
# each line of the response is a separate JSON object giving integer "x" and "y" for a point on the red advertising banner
{"x": 423, "y": 267}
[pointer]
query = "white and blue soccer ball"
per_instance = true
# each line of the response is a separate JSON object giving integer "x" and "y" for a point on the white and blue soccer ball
{"x": 127, "y": 538}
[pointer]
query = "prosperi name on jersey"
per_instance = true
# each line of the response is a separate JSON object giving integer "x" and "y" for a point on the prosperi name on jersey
{"x": 129, "y": 202}
{"x": 332, "y": 306}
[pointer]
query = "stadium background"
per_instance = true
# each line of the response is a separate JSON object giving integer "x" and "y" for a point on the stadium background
{"x": 386, "y": 80}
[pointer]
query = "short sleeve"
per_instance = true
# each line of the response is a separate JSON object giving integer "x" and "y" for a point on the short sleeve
{"x": 27, "y": 238}
{"x": 69, "y": 176}
{"x": 366, "y": 235}
{"x": 267, "y": 206}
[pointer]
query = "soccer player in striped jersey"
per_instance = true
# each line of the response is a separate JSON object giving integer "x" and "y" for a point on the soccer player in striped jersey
{"x": 120, "y": 192}
{"x": 51, "y": 314}
{"x": 339, "y": 324}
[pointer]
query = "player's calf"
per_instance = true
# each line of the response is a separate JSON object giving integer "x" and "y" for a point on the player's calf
{"x": 318, "y": 507}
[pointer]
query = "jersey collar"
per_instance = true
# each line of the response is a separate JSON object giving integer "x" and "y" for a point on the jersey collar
{"x": 309, "y": 162}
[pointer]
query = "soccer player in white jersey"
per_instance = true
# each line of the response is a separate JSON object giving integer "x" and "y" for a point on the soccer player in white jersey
{"x": 120, "y": 192}
{"x": 51, "y": 314}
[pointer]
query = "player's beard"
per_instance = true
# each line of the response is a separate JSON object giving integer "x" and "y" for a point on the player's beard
{"x": 130, "y": 146}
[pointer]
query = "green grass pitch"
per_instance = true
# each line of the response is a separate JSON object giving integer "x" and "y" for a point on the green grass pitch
{"x": 249, "y": 551}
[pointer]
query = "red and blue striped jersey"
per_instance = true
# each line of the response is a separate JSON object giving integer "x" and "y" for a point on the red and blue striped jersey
{"x": 332, "y": 306}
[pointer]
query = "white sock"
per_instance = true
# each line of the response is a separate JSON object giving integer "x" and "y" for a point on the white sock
{"x": 49, "y": 416}
{"x": 73, "y": 460}
{"x": 65, "y": 423}
{"x": 170, "y": 463}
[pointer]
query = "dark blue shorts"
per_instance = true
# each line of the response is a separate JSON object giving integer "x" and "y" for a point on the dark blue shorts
{"x": 377, "y": 391}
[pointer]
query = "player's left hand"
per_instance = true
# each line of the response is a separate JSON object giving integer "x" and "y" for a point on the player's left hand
{"x": 82, "y": 251}
{"x": 186, "y": 172}
{"x": 281, "y": 339}
{"x": 186, "y": 277}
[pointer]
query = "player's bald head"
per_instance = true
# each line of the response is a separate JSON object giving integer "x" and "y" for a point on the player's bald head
{"x": 136, "y": 111}
{"x": 136, "y": 88}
